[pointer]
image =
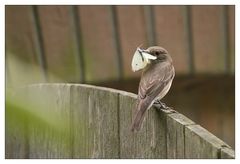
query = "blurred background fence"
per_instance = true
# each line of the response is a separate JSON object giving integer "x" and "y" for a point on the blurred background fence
{"x": 95, "y": 44}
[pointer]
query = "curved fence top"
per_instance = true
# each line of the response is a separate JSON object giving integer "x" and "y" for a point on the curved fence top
{"x": 85, "y": 121}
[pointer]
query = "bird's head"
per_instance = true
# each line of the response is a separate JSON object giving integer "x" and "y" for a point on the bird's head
{"x": 160, "y": 53}
{"x": 154, "y": 54}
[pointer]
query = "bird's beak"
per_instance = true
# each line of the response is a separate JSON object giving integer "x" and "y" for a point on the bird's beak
{"x": 147, "y": 55}
{"x": 146, "y": 51}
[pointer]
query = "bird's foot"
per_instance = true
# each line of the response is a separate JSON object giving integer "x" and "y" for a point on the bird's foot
{"x": 161, "y": 105}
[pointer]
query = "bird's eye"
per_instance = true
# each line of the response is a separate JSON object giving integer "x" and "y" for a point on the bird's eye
{"x": 157, "y": 53}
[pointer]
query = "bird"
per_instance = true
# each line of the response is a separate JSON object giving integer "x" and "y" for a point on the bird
{"x": 155, "y": 82}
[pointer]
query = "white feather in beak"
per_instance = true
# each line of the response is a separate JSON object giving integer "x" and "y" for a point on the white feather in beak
{"x": 140, "y": 59}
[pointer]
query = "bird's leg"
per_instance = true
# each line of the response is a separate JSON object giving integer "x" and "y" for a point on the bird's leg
{"x": 157, "y": 102}
{"x": 160, "y": 105}
{"x": 164, "y": 106}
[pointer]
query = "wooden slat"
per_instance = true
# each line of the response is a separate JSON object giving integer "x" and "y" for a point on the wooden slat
{"x": 157, "y": 132}
{"x": 199, "y": 143}
{"x": 187, "y": 16}
{"x": 20, "y": 46}
{"x": 231, "y": 24}
{"x": 58, "y": 42}
{"x": 53, "y": 139}
{"x": 126, "y": 105}
{"x": 16, "y": 146}
{"x": 208, "y": 49}
{"x": 16, "y": 143}
{"x": 150, "y": 141}
{"x": 132, "y": 31}
{"x": 116, "y": 39}
{"x": 176, "y": 123}
{"x": 149, "y": 18}
{"x": 39, "y": 46}
{"x": 82, "y": 134}
{"x": 78, "y": 42}
{"x": 8, "y": 77}
{"x": 18, "y": 40}
{"x": 225, "y": 38}
{"x": 173, "y": 39}
{"x": 95, "y": 124}
{"x": 99, "y": 49}
{"x": 207, "y": 100}
{"x": 227, "y": 153}
{"x": 84, "y": 121}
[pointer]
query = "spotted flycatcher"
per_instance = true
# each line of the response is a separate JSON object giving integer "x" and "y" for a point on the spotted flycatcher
{"x": 156, "y": 80}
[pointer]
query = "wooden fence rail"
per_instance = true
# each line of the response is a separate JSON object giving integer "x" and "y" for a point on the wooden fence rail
{"x": 84, "y": 121}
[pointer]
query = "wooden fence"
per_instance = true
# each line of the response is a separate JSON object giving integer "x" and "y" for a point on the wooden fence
{"x": 93, "y": 122}
{"x": 81, "y": 43}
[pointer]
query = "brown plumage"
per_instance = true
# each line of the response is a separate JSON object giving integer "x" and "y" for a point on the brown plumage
{"x": 155, "y": 82}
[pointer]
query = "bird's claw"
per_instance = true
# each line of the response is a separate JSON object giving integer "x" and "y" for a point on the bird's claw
{"x": 161, "y": 105}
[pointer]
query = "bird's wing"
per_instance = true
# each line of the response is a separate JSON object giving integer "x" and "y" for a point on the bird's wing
{"x": 153, "y": 81}
{"x": 151, "y": 85}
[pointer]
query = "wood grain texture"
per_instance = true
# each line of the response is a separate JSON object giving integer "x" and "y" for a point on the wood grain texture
{"x": 50, "y": 140}
{"x": 150, "y": 141}
{"x": 199, "y": 143}
{"x": 176, "y": 123}
{"x": 82, "y": 147}
{"x": 126, "y": 106}
{"x": 95, "y": 124}
{"x": 84, "y": 121}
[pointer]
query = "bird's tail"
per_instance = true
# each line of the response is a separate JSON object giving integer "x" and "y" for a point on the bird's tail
{"x": 141, "y": 109}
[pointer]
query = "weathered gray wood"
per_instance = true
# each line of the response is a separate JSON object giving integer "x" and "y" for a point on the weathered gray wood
{"x": 126, "y": 104}
{"x": 227, "y": 153}
{"x": 81, "y": 120}
{"x": 150, "y": 141}
{"x": 84, "y": 121}
{"x": 52, "y": 105}
{"x": 157, "y": 132}
{"x": 95, "y": 122}
{"x": 199, "y": 143}
{"x": 176, "y": 123}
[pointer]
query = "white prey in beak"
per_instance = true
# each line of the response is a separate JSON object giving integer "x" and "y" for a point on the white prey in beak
{"x": 140, "y": 59}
